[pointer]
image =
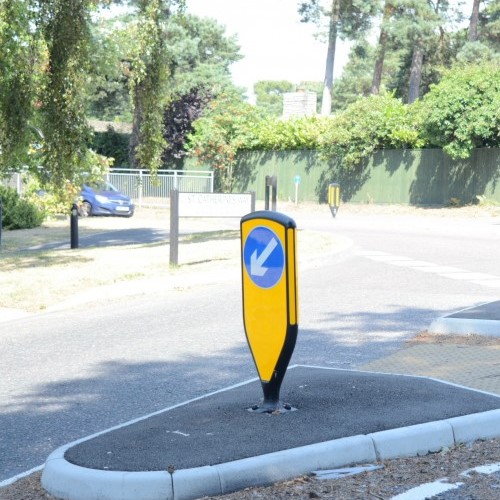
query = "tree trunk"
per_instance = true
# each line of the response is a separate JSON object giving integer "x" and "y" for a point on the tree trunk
{"x": 326, "y": 102}
{"x": 474, "y": 18}
{"x": 382, "y": 43}
{"x": 136, "y": 128}
{"x": 379, "y": 63}
{"x": 415, "y": 72}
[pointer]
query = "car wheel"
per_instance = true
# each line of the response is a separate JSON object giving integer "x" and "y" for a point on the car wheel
{"x": 85, "y": 209}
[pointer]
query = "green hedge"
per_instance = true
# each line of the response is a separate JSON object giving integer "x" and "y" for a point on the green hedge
{"x": 18, "y": 213}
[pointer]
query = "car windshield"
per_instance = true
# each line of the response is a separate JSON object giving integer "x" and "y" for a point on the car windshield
{"x": 102, "y": 186}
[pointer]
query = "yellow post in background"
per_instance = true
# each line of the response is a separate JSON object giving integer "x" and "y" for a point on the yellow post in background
{"x": 334, "y": 197}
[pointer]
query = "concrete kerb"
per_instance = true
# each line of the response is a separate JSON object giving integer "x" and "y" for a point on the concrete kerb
{"x": 464, "y": 326}
{"x": 66, "y": 480}
{"x": 466, "y": 321}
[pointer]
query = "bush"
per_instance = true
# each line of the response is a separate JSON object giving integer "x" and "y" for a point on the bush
{"x": 462, "y": 111}
{"x": 370, "y": 123}
{"x": 275, "y": 134}
{"x": 18, "y": 213}
{"x": 113, "y": 145}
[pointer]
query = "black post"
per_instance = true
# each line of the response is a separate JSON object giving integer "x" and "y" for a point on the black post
{"x": 0, "y": 222}
{"x": 174, "y": 227}
{"x": 275, "y": 189}
{"x": 74, "y": 226}
{"x": 271, "y": 184}
{"x": 266, "y": 202}
{"x": 252, "y": 203}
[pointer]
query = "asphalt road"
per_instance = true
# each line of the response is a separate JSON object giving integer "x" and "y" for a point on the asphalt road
{"x": 68, "y": 374}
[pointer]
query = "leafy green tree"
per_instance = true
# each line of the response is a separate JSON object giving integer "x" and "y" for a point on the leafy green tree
{"x": 44, "y": 60}
{"x": 21, "y": 57}
{"x": 356, "y": 79}
{"x": 201, "y": 55}
{"x": 489, "y": 24}
{"x": 110, "y": 65}
{"x": 195, "y": 60}
{"x": 417, "y": 22}
{"x": 179, "y": 117}
{"x": 461, "y": 112}
{"x": 269, "y": 95}
{"x": 150, "y": 72}
{"x": 65, "y": 28}
{"x": 347, "y": 19}
{"x": 227, "y": 126}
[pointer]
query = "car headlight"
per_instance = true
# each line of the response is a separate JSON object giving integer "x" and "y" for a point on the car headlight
{"x": 101, "y": 199}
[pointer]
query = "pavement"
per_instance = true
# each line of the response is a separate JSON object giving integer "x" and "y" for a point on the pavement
{"x": 427, "y": 396}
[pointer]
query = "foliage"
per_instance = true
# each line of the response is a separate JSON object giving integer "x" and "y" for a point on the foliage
{"x": 269, "y": 95}
{"x": 178, "y": 121}
{"x": 296, "y": 133}
{"x": 489, "y": 19}
{"x": 346, "y": 19}
{"x": 65, "y": 28}
{"x": 356, "y": 79}
{"x": 18, "y": 213}
{"x": 462, "y": 112}
{"x": 110, "y": 62}
{"x": 20, "y": 57}
{"x": 201, "y": 54}
{"x": 112, "y": 144}
{"x": 227, "y": 126}
{"x": 149, "y": 76}
{"x": 195, "y": 57}
{"x": 373, "y": 122}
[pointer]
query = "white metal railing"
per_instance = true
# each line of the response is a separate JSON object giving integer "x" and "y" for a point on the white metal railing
{"x": 154, "y": 191}
{"x": 145, "y": 189}
{"x": 14, "y": 181}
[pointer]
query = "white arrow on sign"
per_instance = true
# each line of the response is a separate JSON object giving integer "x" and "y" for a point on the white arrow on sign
{"x": 256, "y": 263}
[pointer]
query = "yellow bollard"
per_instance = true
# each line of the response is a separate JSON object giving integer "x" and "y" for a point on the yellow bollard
{"x": 334, "y": 197}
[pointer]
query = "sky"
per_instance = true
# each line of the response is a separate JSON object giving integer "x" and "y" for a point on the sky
{"x": 273, "y": 41}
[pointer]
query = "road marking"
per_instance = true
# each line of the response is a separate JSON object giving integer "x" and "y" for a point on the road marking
{"x": 483, "y": 469}
{"x": 13, "y": 479}
{"x": 427, "y": 490}
{"x": 455, "y": 273}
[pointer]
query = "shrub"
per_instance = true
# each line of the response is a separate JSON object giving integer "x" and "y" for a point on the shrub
{"x": 18, "y": 213}
{"x": 462, "y": 111}
{"x": 275, "y": 134}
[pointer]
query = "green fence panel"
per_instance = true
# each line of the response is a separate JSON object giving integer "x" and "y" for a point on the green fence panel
{"x": 417, "y": 177}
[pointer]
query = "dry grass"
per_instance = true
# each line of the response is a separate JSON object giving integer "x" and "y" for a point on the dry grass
{"x": 35, "y": 279}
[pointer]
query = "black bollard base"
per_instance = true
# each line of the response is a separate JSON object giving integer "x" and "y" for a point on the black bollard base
{"x": 74, "y": 226}
{"x": 272, "y": 408}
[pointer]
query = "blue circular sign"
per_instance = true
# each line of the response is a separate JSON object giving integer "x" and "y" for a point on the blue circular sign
{"x": 264, "y": 257}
